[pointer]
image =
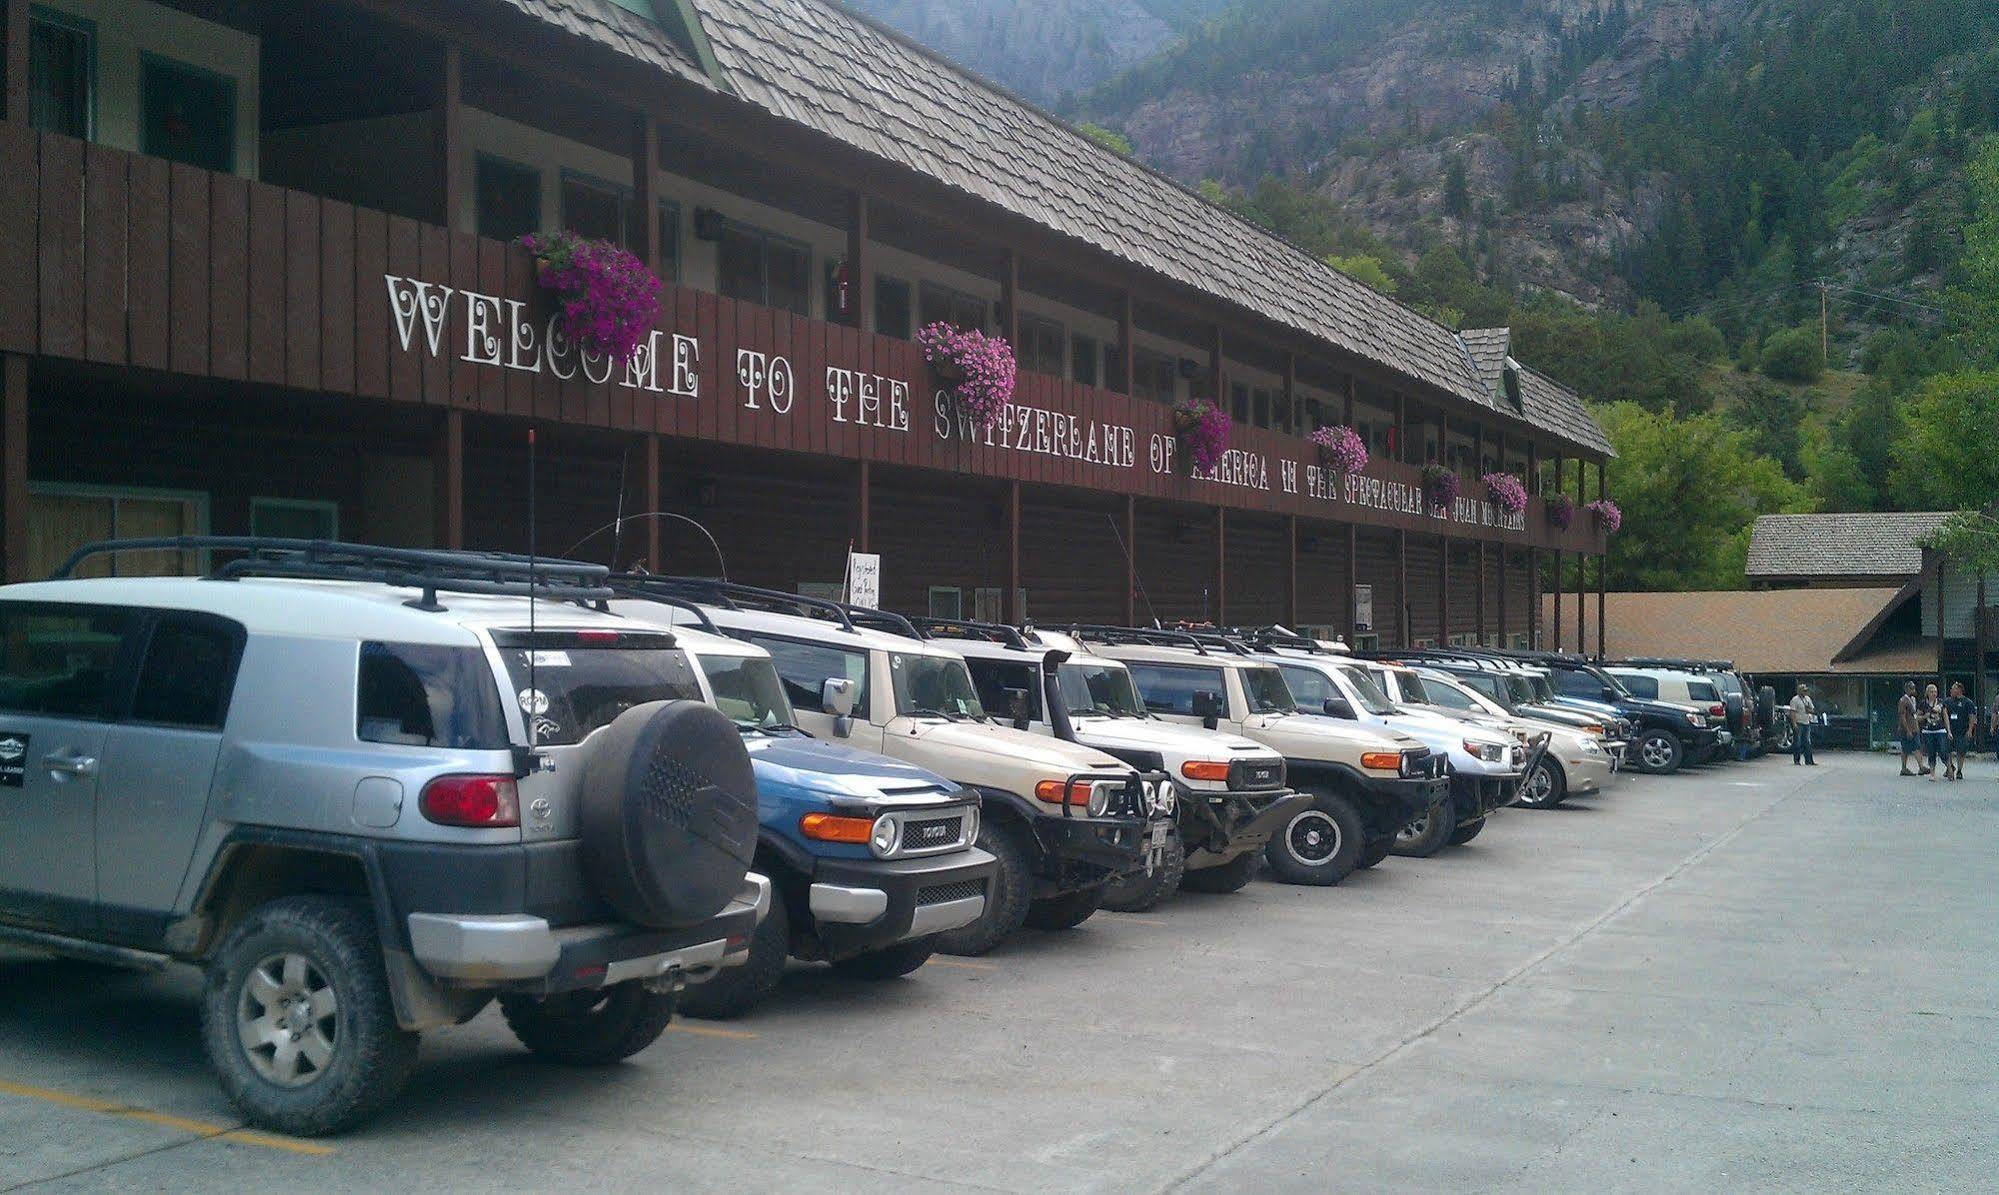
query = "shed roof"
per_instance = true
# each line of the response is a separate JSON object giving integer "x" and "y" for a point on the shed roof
{"x": 1887, "y": 544}
{"x": 1783, "y": 631}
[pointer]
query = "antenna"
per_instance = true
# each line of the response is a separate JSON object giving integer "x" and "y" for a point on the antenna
{"x": 1133, "y": 565}
{"x": 534, "y": 690}
{"x": 618, "y": 535}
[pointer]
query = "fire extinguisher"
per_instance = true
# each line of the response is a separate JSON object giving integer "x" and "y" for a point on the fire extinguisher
{"x": 842, "y": 294}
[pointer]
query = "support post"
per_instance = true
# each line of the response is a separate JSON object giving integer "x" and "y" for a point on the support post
{"x": 860, "y": 275}
{"x": 1557, "y": 628}
{"x": 1582, "y": 569}
{"x": 1353, "y": 579}
{"x": 1221, "y": 566}
{"x": 645, "y": 191}
{"x": 863, "y": 486}
{"x": 1402, "y": 606}
{"x": 1292, "y": 420}
{"x": 1979, "y": 640}
{"x": 1010, "y": 297}
{"x": 1217, "y": 373}
{"x": 14, "y": 442}
{"x": 1130, "y": 548}
{"x": 1352, "y": 386}
{"x": 450, "y": 465}
{"x": 1399, "y": 449}
{"x": 1010, "y": 602}
{"x": 1534, "y": 598}
{"x": 653, "y": 561}
{"x": 1504, "y": 629}
{"x": 450, "y": 138}
{"x": 1443, "y": 590}
{"x": 1603, "y": 570}
{"x": 1478, "y": 591}
{"x": 17, "y": 62}
{"x": 1125, "y": 326}
{"x": 1291, "y": 576}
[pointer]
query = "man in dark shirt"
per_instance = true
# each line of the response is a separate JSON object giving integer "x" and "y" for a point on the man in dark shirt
{"x": 1963, "y": 714}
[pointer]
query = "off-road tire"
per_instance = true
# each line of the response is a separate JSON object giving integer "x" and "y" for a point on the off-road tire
{"x": 1067, "y": 911}
{"x": 734, "y": 991}
{"x": 1668, "y": 753}
{"x": 1297, "y": 858}
{"x": 890, "y": 962}
{"x": 371, "y": 1057}
{"x": 1373, "y": 854}
{"x": 1007, "y": 895}
{"x": 1138, "y": 892}
{"x": 594, "y": 1027}
{"x": 1467, "y": 832}
{"x": 1428, "y": 834}
{"x": 1232, "y": 876}
{"x": 1558, "y": 785}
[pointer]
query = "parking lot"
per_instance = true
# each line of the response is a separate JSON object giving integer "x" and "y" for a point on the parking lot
{"x": 1748, "y": 976}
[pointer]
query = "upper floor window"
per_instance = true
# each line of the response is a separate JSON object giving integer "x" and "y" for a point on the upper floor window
{"x": 1239, "y": 401}
{"x": 893, "y": 307}
{"x": 1041, "y": 347}
{"x": 761, "y": 267}
{"x": 1153, "y": 375}
{"x": 507, "y": 197}
{"x": 1084, "y": 358}
{"x": 941, "y": 304}
{"x": 596, "y": 209}
{"x": 62, "y": 73}
{"x": 669, "y": 240}
{"x": 188, "y": 114}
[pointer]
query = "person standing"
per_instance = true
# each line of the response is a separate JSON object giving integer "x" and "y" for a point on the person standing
{"x": 1992, "y": 726}
{"x": 1803, "y": 713}
{"x": 1934, "y": 727}
{"x": 1961, "y": 718}
{"x": 1905, "y": 726}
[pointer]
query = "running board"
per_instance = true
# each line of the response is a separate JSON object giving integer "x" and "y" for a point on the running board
{"x": 78, "y": 948}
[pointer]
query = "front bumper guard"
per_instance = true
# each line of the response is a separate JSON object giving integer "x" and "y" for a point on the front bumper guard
{"x": 861, "y": 905}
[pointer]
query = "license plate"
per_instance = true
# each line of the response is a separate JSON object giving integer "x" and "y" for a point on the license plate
{"x": 1155, "y": 848}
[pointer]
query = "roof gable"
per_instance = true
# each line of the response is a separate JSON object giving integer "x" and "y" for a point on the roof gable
{"x": 1881, "y": 544}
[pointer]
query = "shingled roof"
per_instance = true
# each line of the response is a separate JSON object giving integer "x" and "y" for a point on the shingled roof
{"x": 614, "y": 25}
{"x": 1782, "y": 632}
{"x": 1841, "y": 545}
{"x": 1553, "y": 407}
{"x": 1488, "y": 348}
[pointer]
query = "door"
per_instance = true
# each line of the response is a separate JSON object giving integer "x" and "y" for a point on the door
{"x": 60, "y": 669}
{"x": 158, "y": 764}
{"x": 806, "y": 667}
{"x": 1173, "y": 692}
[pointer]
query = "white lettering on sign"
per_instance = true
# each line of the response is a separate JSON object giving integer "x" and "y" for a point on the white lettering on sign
{"x": 1288, "y": 475}
{"x": 1038, "y": 431}
{"x": 770, "y": 376}
{"x": 498, "y": 333}
{"x": 867, "y": 399}
{"x": 1239, "y": 467}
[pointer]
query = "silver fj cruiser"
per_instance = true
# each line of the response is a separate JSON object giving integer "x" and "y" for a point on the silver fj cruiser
{"x": 368, "y": 790}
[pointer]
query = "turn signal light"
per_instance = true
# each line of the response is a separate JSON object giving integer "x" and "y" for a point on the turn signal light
{"x": 1593, "y": 729}
{"x": 1052, "y": 792}
{"x": 1381, "y": 761}
{"x": 477, "y": 801}
{"x": 1205, "y": 769}
{"x": 828, "y": 827}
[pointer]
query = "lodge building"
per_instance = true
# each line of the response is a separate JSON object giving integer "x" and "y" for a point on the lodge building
{"x": 263, "y": 280}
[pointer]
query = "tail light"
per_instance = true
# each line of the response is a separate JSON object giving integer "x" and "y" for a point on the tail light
{"x": 480, "y": 802}
{"x": 1717, "y": 710}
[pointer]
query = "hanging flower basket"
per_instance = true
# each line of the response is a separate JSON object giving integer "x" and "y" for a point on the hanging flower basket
{"x": 609, "y": 300}
{"x": 1340, "y": 449}
{"x": 1441, "y": 485}
{"x": 1203, "y": 429}
{"x": 976, "y": 369}
{"x": 1561, "y": 511}
{"x": 1607, "y": 514}
{"x": 1508, "y": 492}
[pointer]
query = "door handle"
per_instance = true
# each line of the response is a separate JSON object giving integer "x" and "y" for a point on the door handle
{"x": 70, "y": 765}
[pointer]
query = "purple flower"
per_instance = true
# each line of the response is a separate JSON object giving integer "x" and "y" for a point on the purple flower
{"x": 1441, "y": 485}
{"x": 1508, "y": 492}
{"x": 1561, "y": 511}
{"x": 1204, "y": 431}
{"x": 609, "y": 300}
{"x": 984, "y": 367}
{"x": 1341, "y": 448}
{"x": 1608, "y": 514}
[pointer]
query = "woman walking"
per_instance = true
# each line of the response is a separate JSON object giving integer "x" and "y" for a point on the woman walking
{"x": 1961, "y": 716}
{"x": 1934, "y": 728}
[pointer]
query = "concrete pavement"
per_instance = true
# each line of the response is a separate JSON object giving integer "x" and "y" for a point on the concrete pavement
{"x": 1754, "y": 976}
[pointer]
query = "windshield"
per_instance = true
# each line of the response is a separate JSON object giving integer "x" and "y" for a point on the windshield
{"x": 1543, "y": 688}
{"x": 1099, "y": 689}
{"x": 1520, "y": 690}
{"x": 569, "y": 683}
{"x": 1411, "y": 687}
{"x": 933, "y": 686}
{"x": 1267, "y": 691}
{"x": 1372, "y": 699}
{"x": 1451, "y": 693}
{"x": 747, "y": 689}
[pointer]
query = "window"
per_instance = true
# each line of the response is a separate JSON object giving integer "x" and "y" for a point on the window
{"x": 986, "y": 605}
{"x": 1267, "y": 692}
{"x": 1154, "y": 375}
{"x": 188, "y": 672}
{"x": 1640, "y": 686}
{"x": 933, "y": 685}
{"x": 62, "y": 519}
{"x": 287, "y": 518}
{"x": 993, "y": 679}
{"x": 946, "y": 602}
{"x": 1239, "y": 402}
{"x": 1260, "y": 409}
{"x": 1315, "y": 415}
{"x": 806, "y": 667}
{"x": 748, "y": 690}
{"x": 189, "y": 114}
{"x": 760, "y": 267}
{"x": 1084, "y": 358}
{"x": 1366, "y": 642}
{"x": 1700, "y": 690}
{"x": 424, "y": 696}
{"x": 596, "y": 209}
{"x": 1170, "y": 688}
{"x": 1114, "y": 369}
{"x": 62, "y": 74}
{"x": 569, "y": 686}
{"x": 508, "y": 198}
{"x": 893, "y": 307}
{"x": 669, "y": 240}
{"x": 941, "y": 304}
{"x": 1309, "y": 687}
{"x": 1450, "y": 697}
{"x": 1042, "y": 345}
{"x": 60, "y": 660}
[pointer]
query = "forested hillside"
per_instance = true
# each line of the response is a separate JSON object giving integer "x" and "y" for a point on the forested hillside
{"x": 1665, "y": 198}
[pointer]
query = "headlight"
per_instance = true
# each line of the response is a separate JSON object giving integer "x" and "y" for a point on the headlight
{"x": 1590, "y": 747}
{"x": 971, "y": 825}
{"x": 1162, "y": 796}
{"x": 1100, "y": 799}
{"x": 887, "y": 833}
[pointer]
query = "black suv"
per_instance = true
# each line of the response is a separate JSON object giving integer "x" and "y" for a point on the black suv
{"x": 1662, "y": 730}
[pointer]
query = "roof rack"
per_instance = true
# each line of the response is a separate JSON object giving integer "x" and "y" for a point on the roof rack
{"x": 1158, "y": 637}
{"x": 1279, "y": 637}
{"x": 646, "y": 587}
{"x": 964, "y": 628}
{"x": 431, "y": 570}
{"x": 732, "y": 595}
{"x": 1683, "y": 665}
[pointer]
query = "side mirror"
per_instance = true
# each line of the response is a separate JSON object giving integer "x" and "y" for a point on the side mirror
{"x": 1019, "y": 709}
{"x": 1339, "y": 707}
{"x": 837, "y": 697}
{"x": 1208, "y": 708}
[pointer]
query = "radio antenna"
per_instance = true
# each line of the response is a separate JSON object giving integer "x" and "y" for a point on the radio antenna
{"x": 618, "y": 535}
{"x": 1126, "y": 549}
{"x": 534, "y": 690}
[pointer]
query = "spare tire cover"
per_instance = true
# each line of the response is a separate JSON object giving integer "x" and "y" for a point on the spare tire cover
{"x": 1766, "y": 705}
{"x": 668, "y": 806}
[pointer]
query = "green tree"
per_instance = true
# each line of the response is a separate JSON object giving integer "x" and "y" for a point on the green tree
{"x": 1945, "y": 460}
{"x": 1110, "y": 139}
{"x": 1363, "y": 269}
{"x": 1794, "y": 355}
{"x": 1976, "y": 299}
{"x": 1690, "y": 489}
{"x": 1457, "y": 187}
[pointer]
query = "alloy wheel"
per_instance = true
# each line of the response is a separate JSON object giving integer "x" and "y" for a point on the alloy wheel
{"x": 1655, "y": 751}
{"x": 1538, "y": 785}
{"x": 287, "y": 1019}
{"x": 1313, "y": 838}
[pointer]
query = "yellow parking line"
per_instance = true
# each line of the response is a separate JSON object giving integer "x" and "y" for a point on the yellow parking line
{"x": 710, "y": 1031}
{"x": 1128, "y": 918}
{"x": 198, "y": 1128}
{"x": 962, "y": 964}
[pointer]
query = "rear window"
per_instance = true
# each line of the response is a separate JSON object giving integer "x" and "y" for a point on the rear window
{"x": 1170, "y": 689}
{"x": 419, "y": 695}
{"x": 60, "y": 661}
{"x": 572, "y": 683}
{"x": 1701, "y": 690}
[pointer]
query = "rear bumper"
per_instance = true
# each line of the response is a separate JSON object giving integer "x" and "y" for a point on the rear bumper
{"x": 858, "y": 906}
{"x": 521, "y": 952}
